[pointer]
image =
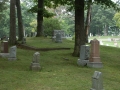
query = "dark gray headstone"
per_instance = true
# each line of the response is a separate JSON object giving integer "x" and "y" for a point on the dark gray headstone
{"x": 58, "y": 38}
{"x": 84, "y": 55}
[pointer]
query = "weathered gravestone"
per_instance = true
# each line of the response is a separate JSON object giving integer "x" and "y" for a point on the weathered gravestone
{"x": 35, "y": 66}
{"x": 84, "y": 55}
{"x": 24, "y": 40}
{"x": 97, "y": 81}
{"x": 94, "y": 60}
{"x": 58, "y": 38}
{"x": 12, "y": 55}
{"x": 61, "y": 32}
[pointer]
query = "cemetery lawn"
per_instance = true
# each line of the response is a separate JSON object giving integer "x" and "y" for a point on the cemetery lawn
{"x": 59, "y": 68}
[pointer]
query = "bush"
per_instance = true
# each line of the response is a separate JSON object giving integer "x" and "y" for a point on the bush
{"x": 49, "y": 25}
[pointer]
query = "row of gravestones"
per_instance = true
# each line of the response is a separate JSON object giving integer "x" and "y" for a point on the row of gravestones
{"x": 90, "y": 56}
{"x": 97, "y": 83}
{"x": 11, "y": 55}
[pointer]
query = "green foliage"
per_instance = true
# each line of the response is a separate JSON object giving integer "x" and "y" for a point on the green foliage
{"x": 3, "y": 6}
{"x": 100, "y": 18}
{"x": 49, "y": 25}
{"x": 117, "y": 19}
{"x": 5, "y": 22}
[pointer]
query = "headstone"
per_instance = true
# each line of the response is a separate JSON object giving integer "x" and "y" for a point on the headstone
{"x": 58, "y": 38}
{"x": 61, "y": 32}
{"x": 53, "y": 38}
{"x": 97, "y": 81}
{"x": 101, "y": 43}
{"x": 94, "y": 60}
{"x": 12, "y": 55}
{"x": 84, "y": 55}
{"x": 6, "y": 39}
{"x": 24, "y": 40}
{"x": 4, "y": 47}
{"x": 35, "y": 66}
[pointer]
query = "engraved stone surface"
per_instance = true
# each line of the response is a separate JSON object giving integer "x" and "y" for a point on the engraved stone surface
{"x": 24, "y": 40}
{"x": 97, "y": 81}
{"x": 58, "y": 38}
{"x": 35, "y": 66}
{"x": 12, "y": 55}
{"x": 84, "y": 55}
{"x": 61, "y": 32}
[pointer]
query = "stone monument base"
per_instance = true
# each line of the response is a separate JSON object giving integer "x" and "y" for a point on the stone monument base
{"x": 95, "y": 89}
{"x": 4, "y": 54}
{"x": 82, "y": 62}
{"x": 95, "y": 64}
{"x": 11, "y": 59}
{"x": 58, "y": 41}
{"x": 35, "y": 67}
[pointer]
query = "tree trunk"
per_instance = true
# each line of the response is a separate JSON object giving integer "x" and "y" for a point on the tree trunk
{"x": 12, "y": 35}
{"x": 79, "y": 26}
{"x": 40, "y": 18}
{"x": 20, "y": 23}
{"x": 88, "y": 20}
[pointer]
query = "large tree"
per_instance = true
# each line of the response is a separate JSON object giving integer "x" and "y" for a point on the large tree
{"x": 20, "y": 22}
{"x": 78, "y": 5}
{"x": 40, "y": 18}
{"x": 79, "y": 26}
{"x": 12, "y": 35}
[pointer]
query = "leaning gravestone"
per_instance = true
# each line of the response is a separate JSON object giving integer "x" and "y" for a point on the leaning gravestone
{"x": 97, "y": 82}
{"x": 58, "y": 38}
{"x": 94, "y": 60}
{"x": 12, "y": 55}
{"x": 84, "y": 55}
{"x": 35, "y": 66}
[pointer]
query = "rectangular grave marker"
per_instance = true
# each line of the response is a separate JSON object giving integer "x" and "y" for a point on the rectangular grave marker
{"x": 84, "y": 55}
{"x": 35, "y": 66}
{"x": 97, "y": 81}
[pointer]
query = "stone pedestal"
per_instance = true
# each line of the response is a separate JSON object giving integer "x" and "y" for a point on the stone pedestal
{"x": 35, "y": 66}
{"x": 82, "y": 62}
{"x": 6, "y": 55}
{"x": 94, "y": 60}
{"x": 84, "y": 55}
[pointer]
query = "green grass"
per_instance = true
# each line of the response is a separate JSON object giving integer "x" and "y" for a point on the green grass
{"x": 57, "y": 73}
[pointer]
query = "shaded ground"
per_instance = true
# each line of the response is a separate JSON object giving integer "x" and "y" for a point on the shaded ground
{"x": 23, "y": 46}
